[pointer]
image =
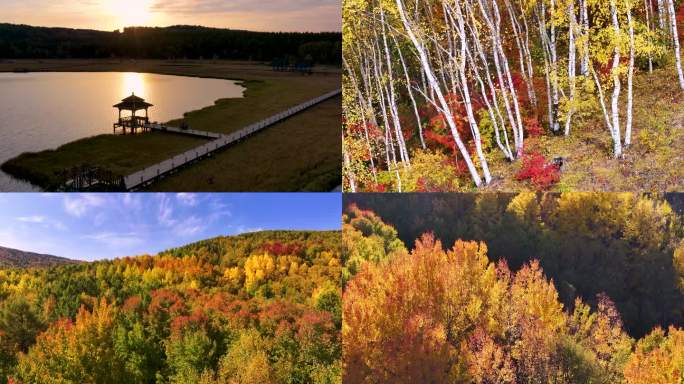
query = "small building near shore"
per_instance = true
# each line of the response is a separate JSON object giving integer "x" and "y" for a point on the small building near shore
{"x": 134, "y": 123}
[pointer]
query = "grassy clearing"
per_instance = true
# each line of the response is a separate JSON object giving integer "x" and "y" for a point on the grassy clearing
{"x": 302, "y": 153}
{"x": 654, "y": 162}
{"x": 131, "y": 153}
{"x": 267, "y": 93}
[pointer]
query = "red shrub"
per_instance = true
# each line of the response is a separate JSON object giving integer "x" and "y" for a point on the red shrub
{"x": 443, "y": 140}
{"x": 376, "y": 188}
{"x": 533, "y": 128}
{"x": 538, "y": 170}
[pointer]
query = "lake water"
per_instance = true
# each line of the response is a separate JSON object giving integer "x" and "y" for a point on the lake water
{"x": 41, "y": 111}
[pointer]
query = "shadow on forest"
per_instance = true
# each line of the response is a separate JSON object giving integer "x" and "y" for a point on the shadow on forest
{"x": 584, "y": 258}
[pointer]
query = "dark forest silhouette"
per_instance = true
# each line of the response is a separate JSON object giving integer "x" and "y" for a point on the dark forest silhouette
{"x": 175, "y": 42}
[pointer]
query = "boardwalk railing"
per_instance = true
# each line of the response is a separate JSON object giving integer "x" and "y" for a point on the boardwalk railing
{"x": 153, "y": 172}
{"x": 191, "y": 132}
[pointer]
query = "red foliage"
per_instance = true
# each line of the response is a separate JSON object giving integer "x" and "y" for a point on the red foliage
{"x": 680, "y": 21}
{"x": 132, "y": 304}
{"x": 443, "y": 140}
{"x": 374, "y": 131}
{"x": 243, "y": 312}
{"x": 376, "y": 188}
{"x": 277, "y": 248}
{"x": 533, "y": 128}
{"x": 538, "y": 170}
{"x": 193, "y": 321}
{"x": 314, "y": 323}
{"x": 437, "y": 130}
{"x": 165, "y": 301}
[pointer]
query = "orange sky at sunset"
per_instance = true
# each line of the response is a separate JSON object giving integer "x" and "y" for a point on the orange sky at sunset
{"x": 265, "y": 15}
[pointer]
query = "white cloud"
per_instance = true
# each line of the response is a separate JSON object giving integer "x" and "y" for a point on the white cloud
{"x": 42, "y": 220}
{"x": 114, "y": 239}
{"x": 190, "y": 226}
{"x": 165, "y": 212}
{"x": 189, "y": 199}
{"x": 78, "y": 204}
{"x": 32, "y": 219}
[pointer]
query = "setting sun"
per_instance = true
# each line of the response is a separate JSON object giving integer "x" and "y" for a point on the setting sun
{"x": 130, "y": 12}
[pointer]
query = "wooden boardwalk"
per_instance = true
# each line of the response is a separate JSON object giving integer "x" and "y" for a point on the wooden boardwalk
{"x": 150, "y": 174}
{"x": 190, "y": 132}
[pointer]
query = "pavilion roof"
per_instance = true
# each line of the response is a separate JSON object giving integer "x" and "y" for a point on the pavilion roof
{"x": 133, "y": 103}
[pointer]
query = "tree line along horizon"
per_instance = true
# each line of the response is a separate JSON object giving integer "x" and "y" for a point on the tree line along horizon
{"x": 168, "y": 43}
{"x": 263, "y": 307}
{"x": 476, "y": 80}
{"x": 468, "y": 313}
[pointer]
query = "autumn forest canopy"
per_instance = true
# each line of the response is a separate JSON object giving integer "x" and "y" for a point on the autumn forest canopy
{"x": 496, "y": 288}
{"x": 262, "y": 307}
{"x": 453, "y": 95}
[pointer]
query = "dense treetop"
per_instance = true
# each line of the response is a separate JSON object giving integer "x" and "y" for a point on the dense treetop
{"x": 256, "y": 308}
{"x": 626, "y": 245}
{"x": 176, "y": 42}
{"x": 457, "y": 316}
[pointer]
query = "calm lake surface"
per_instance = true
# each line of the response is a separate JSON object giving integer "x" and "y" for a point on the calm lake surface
{"x": 41, "y": 111}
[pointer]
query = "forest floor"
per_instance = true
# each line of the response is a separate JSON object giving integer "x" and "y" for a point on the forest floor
{"x": 311, "y": 139}
{"x": 654, "y": 161}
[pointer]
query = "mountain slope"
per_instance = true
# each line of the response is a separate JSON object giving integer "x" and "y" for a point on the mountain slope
{"x": 262, "y": 307}
{"x": 14, "y": 258}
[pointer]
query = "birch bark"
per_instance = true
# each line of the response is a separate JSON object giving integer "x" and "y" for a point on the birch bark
{"x": 442, "y": 102}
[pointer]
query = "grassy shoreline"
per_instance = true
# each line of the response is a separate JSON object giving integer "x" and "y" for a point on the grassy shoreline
{"x": 266, "y": 93}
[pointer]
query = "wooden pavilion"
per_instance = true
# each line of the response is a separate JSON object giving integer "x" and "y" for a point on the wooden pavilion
{"x": 133, "y": 104}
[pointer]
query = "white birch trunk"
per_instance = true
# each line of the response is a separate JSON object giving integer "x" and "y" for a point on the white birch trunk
{"x": 410, "y": 92}
{"x": 572, "y": 65}
{"x": 615, "y": 131}
{"x": 432, "y": 80}
{"x": 649, "y": 26}
{"x": 630, "y": 80}
{"x": 661, "y": 14}
{"x": 675, "y": 39}
{"x": 466, "y": 98}
{"x": 347, "y": 164}
{"x": 406, "y": 160}
{"x": 585, "y": 35}
{"x": 554, "y": 72}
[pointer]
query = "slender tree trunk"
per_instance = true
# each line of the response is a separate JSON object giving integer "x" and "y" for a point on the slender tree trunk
{"x": 364, "y": 104}
{"x": 630, "y": 79}
{"x": 347, "y": 164}
{"x": 477, "y": 45}
{"x": 504, "y": 75}
{"x": 602, "y": 100}
{"x": 661, "y": 14}
{"x": 523, "y": 54}
{"x": 675, "y": 39}
{"x": 649, "y": 26}
{"x": 466, "y": 97}
{"x": 543, "y": 34}
{"x": 617, "y": 145}
{"x": 410, "y": 92}
{"x": 446, "y": 110}
{"x": 585, "y": 36}
{"x": 554, "y": 71}
{"x": 406, "y": 160}
{"x": 572, "y": 65}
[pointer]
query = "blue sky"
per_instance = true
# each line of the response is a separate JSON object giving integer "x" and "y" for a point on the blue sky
{"x": 258, "y": 15}
{"x": 103, "y": 226}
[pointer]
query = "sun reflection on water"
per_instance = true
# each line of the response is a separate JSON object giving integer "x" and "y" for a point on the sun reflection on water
{"x": 133, "y": 82}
